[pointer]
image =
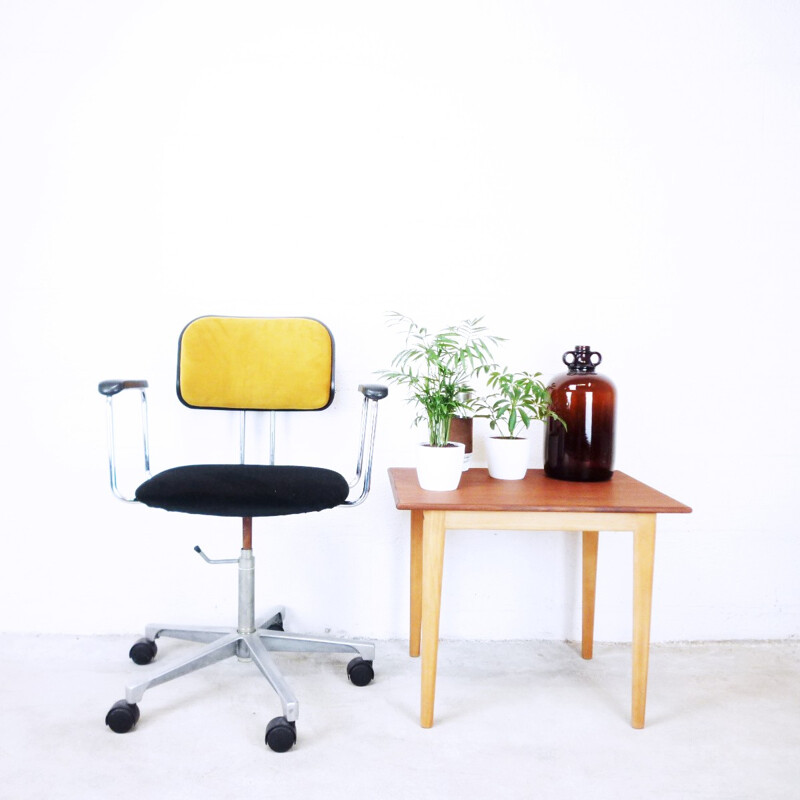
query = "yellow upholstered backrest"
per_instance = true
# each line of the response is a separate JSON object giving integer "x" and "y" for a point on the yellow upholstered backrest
{"x": 281, "y": 364}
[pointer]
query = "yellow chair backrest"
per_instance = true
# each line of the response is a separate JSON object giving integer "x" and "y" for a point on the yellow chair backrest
{"x": 256, "y": 363}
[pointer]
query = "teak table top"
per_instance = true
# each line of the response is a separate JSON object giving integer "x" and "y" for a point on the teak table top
{"x": 535, "y": 492}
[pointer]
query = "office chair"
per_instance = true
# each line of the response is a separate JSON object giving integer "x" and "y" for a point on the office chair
{"x": 247, "y": 364}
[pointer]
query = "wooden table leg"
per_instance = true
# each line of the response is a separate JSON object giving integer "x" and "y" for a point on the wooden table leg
{"x": 432, "y": 563}
{"x": 644, "y": 542}
{"x": 416, "y": 583}
{"x": 590, "y": 539}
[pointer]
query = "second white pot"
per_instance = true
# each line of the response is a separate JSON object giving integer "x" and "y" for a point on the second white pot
{"x": 507, "y": 459}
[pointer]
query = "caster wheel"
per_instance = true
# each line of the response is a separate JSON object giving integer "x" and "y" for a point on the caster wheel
{"x": 143, "y": 651}
{"x": 277, "y": 625}
{"x": 281, "y": 735}
{"x": 122, "y": 716}
{"x": 360, "y": 672}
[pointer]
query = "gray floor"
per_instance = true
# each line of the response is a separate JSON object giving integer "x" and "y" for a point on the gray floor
{"x": 513, "y": 720}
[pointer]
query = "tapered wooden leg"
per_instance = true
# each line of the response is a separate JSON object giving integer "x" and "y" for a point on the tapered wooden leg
{"x": 590, "y": 539}
{"x": 432, "y": 563}
{"x": 644, "y": 542}
{"x": 416, "y": 583}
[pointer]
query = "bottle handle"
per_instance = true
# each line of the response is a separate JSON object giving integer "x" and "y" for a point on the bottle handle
{"x": 570, "y": 358}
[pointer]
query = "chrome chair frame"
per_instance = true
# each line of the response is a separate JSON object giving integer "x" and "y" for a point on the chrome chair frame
{"x": 363, "y": 471}
{"x": 251, "y": 640}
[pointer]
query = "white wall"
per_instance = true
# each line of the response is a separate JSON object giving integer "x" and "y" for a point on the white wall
{"x": 624, "y": 175}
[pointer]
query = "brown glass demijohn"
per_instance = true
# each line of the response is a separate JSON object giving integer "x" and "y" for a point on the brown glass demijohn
{"x": 584, "y": 449}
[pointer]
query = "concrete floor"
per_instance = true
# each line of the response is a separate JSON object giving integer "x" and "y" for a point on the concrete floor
{"x": 513, "y": 720}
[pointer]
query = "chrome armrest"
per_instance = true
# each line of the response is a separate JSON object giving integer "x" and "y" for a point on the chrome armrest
{"x": 373, "y": 393}
{"x": 109, "y": 389}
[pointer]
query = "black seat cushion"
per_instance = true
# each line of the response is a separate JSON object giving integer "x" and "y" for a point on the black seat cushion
{"x": 244, "y": 490}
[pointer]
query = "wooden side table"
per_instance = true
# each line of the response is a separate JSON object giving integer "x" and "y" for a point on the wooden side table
{"x": 534, "y": 503}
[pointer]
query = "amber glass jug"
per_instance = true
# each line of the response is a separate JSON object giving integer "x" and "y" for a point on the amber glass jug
{"x": 584, "y": 449}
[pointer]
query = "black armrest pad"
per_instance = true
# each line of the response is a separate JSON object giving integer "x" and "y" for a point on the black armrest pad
{"x": 109, "y": 388}
{"x": 373, "y": 391}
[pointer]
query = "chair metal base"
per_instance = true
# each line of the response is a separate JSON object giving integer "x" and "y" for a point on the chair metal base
{"x": 222, "y": 643}
{"x": 251, "y": 640}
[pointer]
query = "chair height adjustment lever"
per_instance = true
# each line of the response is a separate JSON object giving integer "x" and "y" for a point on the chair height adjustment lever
{"x": 215, "y": 560}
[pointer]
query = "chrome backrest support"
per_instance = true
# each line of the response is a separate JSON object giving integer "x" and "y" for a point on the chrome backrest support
{"x": 273, "y": 417}
{"x": 243, "y": 436}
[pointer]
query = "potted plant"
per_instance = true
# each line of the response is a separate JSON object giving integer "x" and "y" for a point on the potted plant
{"x": 515, "y": 401}
{"x": 437, "y": 369}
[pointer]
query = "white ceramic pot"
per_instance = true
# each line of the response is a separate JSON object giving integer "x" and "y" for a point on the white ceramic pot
{"x": 439, "y": 468}
{"x": 507, "y": 459}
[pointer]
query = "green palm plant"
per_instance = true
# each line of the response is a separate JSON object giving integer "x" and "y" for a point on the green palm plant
{"x": 437, "y": 368}
{"x": 518, "y": 400}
